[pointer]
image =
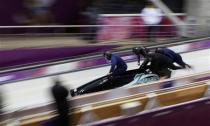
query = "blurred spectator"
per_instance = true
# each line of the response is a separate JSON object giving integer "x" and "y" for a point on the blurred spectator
{"x": 37, "y": 13}
{"x": 151, "y": 15}
{"x": 60, "y": 94}
{"x": 92, "y": 12}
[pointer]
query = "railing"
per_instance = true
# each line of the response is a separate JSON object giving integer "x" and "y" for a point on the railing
{"x": 110, "y": 27}
{"x": 55, "y": 29}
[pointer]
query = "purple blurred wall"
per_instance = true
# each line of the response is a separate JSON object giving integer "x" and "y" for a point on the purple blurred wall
{"x": 32, "y": 55}
{"x": 7, "y": 9}
{"x": 64, "y": 11}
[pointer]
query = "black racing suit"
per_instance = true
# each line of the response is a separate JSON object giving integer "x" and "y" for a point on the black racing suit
{"x": 159, "y": 64}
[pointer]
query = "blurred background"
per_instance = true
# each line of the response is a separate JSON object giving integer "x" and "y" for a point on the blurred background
{"x": 95, "y": 18}
{"x": 50, "y": 48}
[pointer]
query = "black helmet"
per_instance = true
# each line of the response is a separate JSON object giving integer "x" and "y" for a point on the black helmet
{"x": 140, "y": 50}
{"x": 108, "y": 55}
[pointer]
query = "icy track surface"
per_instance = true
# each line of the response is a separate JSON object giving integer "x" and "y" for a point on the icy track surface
{"x": 26, "y": 94}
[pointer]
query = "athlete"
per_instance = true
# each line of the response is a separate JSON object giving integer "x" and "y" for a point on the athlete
{"x": 118, "y": 65}
{"x": 172, "y": 55}
{"x": 159, "y": 63}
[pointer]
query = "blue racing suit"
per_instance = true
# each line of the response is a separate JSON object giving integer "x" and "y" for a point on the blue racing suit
{"x": 118, "y": 65}
{"x": 174, "y": 56}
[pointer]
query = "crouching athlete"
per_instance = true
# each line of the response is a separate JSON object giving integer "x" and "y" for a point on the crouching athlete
{"x": 175, "y": 57}
{"x": 159, "y": 63}
{"x": 118, "y": 65}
